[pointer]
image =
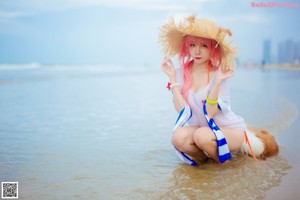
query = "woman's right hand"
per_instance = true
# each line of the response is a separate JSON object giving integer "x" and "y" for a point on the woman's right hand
{"x": 168, "y": 67}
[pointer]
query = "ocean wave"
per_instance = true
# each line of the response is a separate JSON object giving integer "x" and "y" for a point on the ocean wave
{"x": 4, "y": 67}
{"x": 75, "y": 68}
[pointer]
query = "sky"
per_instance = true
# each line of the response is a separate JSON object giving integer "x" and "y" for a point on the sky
{"x": 125, "y": 33}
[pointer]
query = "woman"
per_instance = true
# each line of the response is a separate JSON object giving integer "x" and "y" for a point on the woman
{"x": 206, "y": 127}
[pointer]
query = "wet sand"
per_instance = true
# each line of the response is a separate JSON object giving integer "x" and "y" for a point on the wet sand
{"x": 288, "y": 188}
{"x": 274, "y": 66}
{"x": 283, "y": 82}
{"x": 283, "y": 67}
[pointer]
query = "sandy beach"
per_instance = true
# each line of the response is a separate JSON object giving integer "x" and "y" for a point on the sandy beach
{"x": 280, "y": 66}
{"x": 283, "y": 67}
{"x": 288, "y": 187}
{"x": 74, "y": 133}
{"x": 282, "y": 81}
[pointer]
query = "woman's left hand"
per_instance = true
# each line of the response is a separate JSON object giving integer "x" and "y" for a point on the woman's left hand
{"x": 224, "y": 73}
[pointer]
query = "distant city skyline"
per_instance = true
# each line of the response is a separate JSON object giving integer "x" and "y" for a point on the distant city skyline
{"x": 284, "y": 52}
{"x": 126, "y": 32}
{"x": 288, "y": 52}
{"x": 267, "y": 52}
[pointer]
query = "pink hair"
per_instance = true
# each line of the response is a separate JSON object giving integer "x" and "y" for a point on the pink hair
{"x": 186, "y": 62}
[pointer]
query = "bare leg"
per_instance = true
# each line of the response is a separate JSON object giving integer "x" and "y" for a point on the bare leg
{"x": 205, "y": 139}
{"x": 183, "y": 140}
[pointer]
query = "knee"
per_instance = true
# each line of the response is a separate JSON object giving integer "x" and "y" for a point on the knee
{"x": 202, "y": 137}
{"x": 178, "y": 138}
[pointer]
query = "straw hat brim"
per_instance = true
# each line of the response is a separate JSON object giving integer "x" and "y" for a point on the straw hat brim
{"x": 172, "y": 35}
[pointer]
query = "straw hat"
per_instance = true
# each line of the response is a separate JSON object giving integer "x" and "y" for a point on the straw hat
{"x": 172, "y": 35}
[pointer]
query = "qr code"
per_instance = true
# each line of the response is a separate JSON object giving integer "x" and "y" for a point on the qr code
{"x": 9, "y": 190}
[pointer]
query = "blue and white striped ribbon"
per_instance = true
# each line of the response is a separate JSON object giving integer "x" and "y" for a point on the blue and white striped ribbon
{"x": 223, "y": 149}
{"x": 183, "y": 118}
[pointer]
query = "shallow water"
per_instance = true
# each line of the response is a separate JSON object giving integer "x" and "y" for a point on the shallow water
{"x": 104, "y": 133}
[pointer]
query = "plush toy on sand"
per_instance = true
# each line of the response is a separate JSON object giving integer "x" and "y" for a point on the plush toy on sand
{"x": 262, "y": 142}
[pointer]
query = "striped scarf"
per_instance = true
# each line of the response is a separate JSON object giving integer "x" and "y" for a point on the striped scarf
{"x": 184, "y": 116}
{"x": 223, "y": 150}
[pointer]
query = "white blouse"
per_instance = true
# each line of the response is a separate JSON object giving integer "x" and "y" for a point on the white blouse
{"x": 225, "y": 118}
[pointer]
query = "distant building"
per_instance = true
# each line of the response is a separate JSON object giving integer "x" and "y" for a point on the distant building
{"x": 281, "y": 53}
{"x": 296, "y": 54}
{"x": 289, "y": 52}
{"x": 266, "y": 52}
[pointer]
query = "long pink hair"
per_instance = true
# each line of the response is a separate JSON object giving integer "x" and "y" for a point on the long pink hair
{"x": 186, "y": 62}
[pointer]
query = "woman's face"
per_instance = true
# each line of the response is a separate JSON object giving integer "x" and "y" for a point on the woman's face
{"x": 199, "y": 52}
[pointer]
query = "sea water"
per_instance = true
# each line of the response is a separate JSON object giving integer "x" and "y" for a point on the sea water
{"x": 103, "y": 132}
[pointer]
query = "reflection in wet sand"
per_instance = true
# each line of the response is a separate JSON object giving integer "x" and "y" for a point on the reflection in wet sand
{"x": 241, "y": 178}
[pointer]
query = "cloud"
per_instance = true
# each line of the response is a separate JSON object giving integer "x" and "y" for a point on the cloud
{"x": 160, "y": 5}
{"x": 59, "y": 5}
{"x": 6, "y": 16}
{"x": 252, "y": 18}
{"x": 132, "y": 4}
{"x": 11, "y": 10}
{"x": 170, "y": 5}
